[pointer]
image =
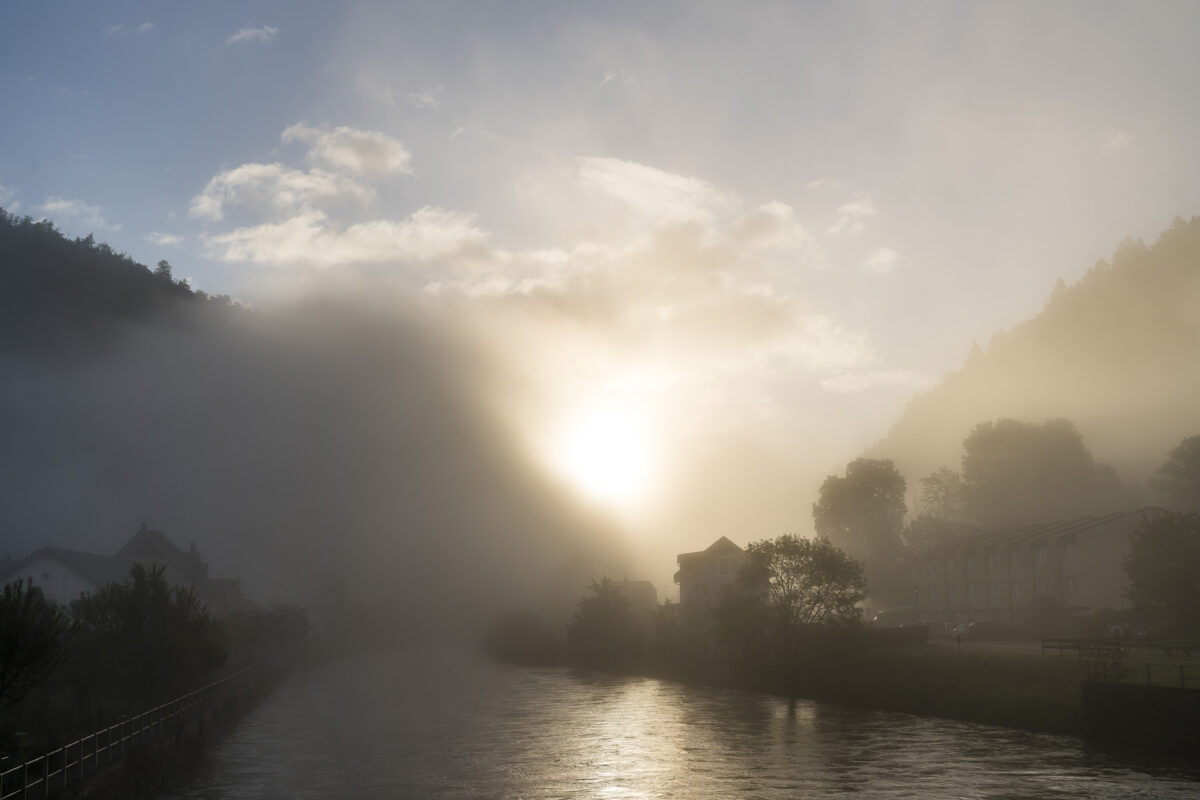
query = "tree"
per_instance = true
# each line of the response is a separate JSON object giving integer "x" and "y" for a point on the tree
{"x": 1163, "y": 566}
{"x": 942, "y": 494}
{"x": 1015, "y": 473}
{"x": 33, "y": 639}
{"x": 163, "y": 270}
{"x": 787, "y": 588}
{"x": 143, "y": 634}
{"x": 1178, "y": 480}
{"x": 864, "y": 511}
{"x": 604, "y": 632}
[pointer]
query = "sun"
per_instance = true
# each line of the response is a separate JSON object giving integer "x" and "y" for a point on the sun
{"x": 606, "y": 454}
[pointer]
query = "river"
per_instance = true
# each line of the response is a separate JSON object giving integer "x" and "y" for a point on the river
{"x": 435, "y": 723}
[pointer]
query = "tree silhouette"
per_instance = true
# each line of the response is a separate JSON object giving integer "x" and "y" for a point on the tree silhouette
{"x": 788, "y": 587}
{"x": 864, "y": 511}
{"x": 604, "y": 632}
{"x": 1016, "y": 473}
{"x": 33, "y": 639}
{"x": 1178, "y": 480}
{"x": 1162, "y": 564}
{"x": 143, "y": 634}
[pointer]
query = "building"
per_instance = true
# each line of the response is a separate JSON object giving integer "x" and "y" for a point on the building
{"x": 63, "y": 575}
{"x": 998, "y": 575}
{"x": 702, "y": 576}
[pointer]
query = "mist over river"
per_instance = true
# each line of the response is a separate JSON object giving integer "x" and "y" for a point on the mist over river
{"x": 436, "y": 723}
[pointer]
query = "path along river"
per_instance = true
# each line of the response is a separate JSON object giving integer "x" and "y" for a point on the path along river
{"x": 432, "y": 723}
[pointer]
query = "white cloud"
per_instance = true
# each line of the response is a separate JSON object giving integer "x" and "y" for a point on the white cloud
{"x": 91, "y": 216}
{"x": 770, "y": 225}
{"x": 121, "y": 28}
{"x": 617, "y": 76}
{"x": 275, "y": 185}
{"x": 163, "y": 238}
{"x": 851, "y": 216}
{"x": 7, "y": 197}
{"x": 352, "y": 149}
{"x": 848, "y": 382}
{"x": 822, "y": 344}
{"x": 311, "y": 239}
{"x": 426, "y": 97}
{"x": 1116, "y": 140}
{"x": 659, "y": 195}
{"x": 247, "y": 35}
{"x": 882, "y": 261}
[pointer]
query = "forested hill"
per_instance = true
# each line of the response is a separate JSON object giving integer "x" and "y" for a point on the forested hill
{"x": 59, "y": 294}
{"x": 1117, "y": 354}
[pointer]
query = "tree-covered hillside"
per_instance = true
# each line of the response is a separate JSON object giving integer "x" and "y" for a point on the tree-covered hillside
{"x": 1117, "y": 354}
{"x": 60, "y": 294}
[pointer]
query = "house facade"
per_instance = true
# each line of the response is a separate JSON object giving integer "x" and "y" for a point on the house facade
{"x": 703, "y": 574}
{"x": 63, "y": 575}
{"x": 998, "y": 576}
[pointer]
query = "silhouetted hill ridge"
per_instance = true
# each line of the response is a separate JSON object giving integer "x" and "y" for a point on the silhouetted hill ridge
{"x": 61, "y": 295}
{"x": 1117, "y": 353}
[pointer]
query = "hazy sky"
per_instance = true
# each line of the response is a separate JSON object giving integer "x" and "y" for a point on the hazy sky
{"x": 716, "y": 246}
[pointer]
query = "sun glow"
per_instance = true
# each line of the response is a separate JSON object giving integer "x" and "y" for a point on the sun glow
{"x": 606, "y": 453}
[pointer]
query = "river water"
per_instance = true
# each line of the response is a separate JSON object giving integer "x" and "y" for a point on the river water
{"x": 433, "y": 723}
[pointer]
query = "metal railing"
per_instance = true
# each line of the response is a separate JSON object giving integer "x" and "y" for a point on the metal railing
{"x": 1128, "y": 644}
{"x": 1149, "y": 673}
{"x": 71, "y": 763}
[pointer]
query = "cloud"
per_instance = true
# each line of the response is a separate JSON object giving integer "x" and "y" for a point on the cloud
{"x": 276, "y": 186}
{"x": 351, "y": 149}
{"x": 8, "y": 198}
{"x": 1116, "y": 140}
{"x": 772, "y": 225}
{"x": 248, "y": 35}
{"x": 654, "y": 193}
{"x": 311, "y": 239}
{"x": 121, "y": 28}
{"x": 849, "y": 382}
{"x": 617, "y": 76}
{"x": 882, "y": 260}
{"x": 163, "y": 238}
{"x": 91, "y": 216}
{"x": 851, "y": 216}
{"x": 426, "y": 97}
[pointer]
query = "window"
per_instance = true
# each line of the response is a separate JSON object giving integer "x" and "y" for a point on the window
{"x": 931, "y": 569}
{"x": 1014, "y": 559}
{"x": 971, "y": 592}
{"x": 950, "y": 593}
{"x": 970, "y": 562}
{"x": 991, "y": 561}
{"x": 1068, "y": 553}
{"x": 1042, "y": 555}
{"x": 994, "y": 591}
{"x": 1043, "y": 586}
{"x": 1068, "y": 584}
{"x": 1018, "y": 589}
{"x": 932, "y": 593}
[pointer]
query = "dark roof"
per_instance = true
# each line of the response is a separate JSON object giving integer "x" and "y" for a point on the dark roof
{"x": 1026, "y": 532}
{"x": 150, "y": 543}
{"x": 722, "y": 545}
{"x": 98, "y": 569}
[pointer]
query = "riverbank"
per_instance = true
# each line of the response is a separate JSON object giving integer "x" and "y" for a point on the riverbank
{"x": 995, "y": 686}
